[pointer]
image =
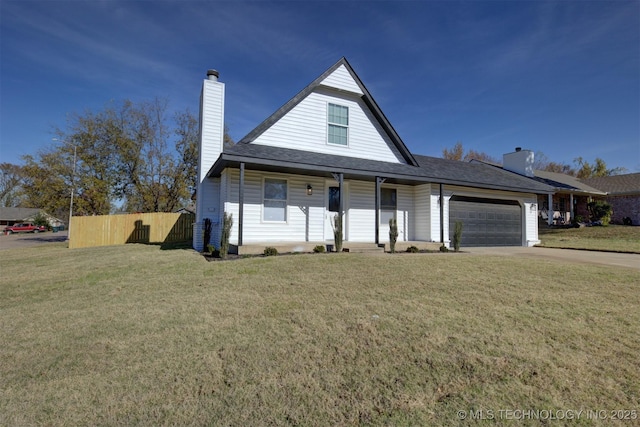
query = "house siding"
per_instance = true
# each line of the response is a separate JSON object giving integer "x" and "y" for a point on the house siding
{"x": 530, "y": 209}
{"x": 361, "y": 216}
{"x": 305, "y": 214}
{"x": 422, "y": 203}
{"x": 435, "y": 213}
{"x": 342, "y": 79}
{"x": 305, "y": 128}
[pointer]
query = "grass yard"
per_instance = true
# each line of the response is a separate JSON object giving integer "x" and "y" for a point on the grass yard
{"x": 617, "y": 238}
{"x": 134, "y": 335}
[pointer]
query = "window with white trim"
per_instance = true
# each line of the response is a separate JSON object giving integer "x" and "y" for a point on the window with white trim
{"x": 337, "y": 124}
{"x": 388, "y": 204}
{"x": 274, "y": 200}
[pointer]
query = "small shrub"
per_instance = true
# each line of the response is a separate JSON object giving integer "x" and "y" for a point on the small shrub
{"x": 211, "y": 249}
{"x": 337, "y": 232}
{"x": 576, "y": 221}
{"x": 207, "y": 233}
{"x": 457, "y": 236}
{"x": 227, "y": 223}
{"x": 270, "y": 251}
{"x": 600, "y": 211}
{"x": 319, "y": 249}
{"x": 393, "y": 234}
{"x": 40, "y": 219}
{"x": 413, "y": 249}
{"x": 443, "y": 248}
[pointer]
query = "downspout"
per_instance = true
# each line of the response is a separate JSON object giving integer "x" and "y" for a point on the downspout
{"x": 341, "y": 200}
{"x": 240, "y": 204}
{"x": 441, "y": 215}
{"x": 377, "y": 202}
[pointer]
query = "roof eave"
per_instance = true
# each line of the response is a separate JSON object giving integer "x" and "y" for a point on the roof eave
{"x": 229, "y": 160}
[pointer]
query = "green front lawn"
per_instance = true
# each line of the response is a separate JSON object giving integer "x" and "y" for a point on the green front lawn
{"x": 134, "y": 335}
{"x": 618, "y": 238}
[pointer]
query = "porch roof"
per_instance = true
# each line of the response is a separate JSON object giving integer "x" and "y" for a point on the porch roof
{"x": 564, "y": 183}
{"x": 428, "y": 170}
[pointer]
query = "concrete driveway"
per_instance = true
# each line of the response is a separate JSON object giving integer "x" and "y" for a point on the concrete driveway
{"x": 23, "y": 240}
{"x": 566, "y": 255}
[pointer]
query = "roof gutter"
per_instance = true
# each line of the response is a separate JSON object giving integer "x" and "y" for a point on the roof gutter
{"x": 225, "y": 160}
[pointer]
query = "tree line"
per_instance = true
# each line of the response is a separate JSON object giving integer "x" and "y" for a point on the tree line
{"x": 132, "y": 157}
{"x": 136, "y": 157}
{"x": 581, "y": 169}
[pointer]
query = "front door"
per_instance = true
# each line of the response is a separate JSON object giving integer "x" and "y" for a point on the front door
{"x": 332, "y": 207}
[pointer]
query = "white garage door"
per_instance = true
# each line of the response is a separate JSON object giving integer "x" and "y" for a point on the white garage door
{"x": 486, "y": 222}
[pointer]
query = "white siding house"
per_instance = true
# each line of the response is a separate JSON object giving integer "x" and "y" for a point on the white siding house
{"x": 330, "y": 150}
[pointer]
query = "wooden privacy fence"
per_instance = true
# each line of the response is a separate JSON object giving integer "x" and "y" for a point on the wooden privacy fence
{"x": 151, "y": 228}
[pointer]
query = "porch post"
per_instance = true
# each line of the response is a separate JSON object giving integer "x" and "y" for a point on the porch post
{"x": 341, "y": 198}
{"x": 377, "y": 202}
{"x": 441, "y": 215}
{"x": 550, "y": 219}
{"x": 240, "y": 204}
{"x": 571, "y": 209}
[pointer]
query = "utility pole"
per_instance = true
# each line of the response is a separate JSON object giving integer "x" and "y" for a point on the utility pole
{"x": 73, "y": 184}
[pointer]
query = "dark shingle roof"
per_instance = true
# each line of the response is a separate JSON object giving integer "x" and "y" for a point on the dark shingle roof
{"x": 429, "y": 170}
{"x": 620, "y": 185}
{"x": 17, "y": 214}
{"x": 564, "y": 182}
{"x": 559, "y": 181}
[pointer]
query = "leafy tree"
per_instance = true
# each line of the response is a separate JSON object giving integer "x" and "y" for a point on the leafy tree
{"x": 134, "y": 154}
{"x": 40, "y": 219}
{"x": 457, "y": 153}
{"x": 47, "y": 183}
{"x": 599, "y": 168}
{"x": 542, "y": 162}
{"x": 10, "y": 185}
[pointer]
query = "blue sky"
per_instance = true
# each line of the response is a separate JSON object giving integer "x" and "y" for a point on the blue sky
{"x": 561, "y": 77}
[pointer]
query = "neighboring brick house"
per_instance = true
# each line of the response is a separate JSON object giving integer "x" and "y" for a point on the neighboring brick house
{"x": 570, "y": 197}
{"x": 623, "y": 194}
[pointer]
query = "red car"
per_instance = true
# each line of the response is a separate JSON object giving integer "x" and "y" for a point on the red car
{"x": 24, "y": 227}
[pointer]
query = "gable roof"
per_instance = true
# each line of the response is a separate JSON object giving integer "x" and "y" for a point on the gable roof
{"x": 364, "y": 95}
{"x": 618, "y": 185}
{"x": 17, "y": 214}
{"x": 427, "y": 169}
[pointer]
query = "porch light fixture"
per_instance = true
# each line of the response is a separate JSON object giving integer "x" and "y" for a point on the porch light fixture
{"x": 309, "y": 190}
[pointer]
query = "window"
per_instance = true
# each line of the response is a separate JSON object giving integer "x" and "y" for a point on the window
{"x": 563, "y": 204}
{"x": 338, "y": 124}
{"x": 275, "y": 200}
{"x": 388, "y": 204}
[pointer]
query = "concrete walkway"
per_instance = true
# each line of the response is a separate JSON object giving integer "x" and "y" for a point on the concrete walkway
{"x": 566, "y": 255}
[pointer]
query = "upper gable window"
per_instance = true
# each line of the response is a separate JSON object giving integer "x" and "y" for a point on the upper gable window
{"x": 338, "y": 124}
